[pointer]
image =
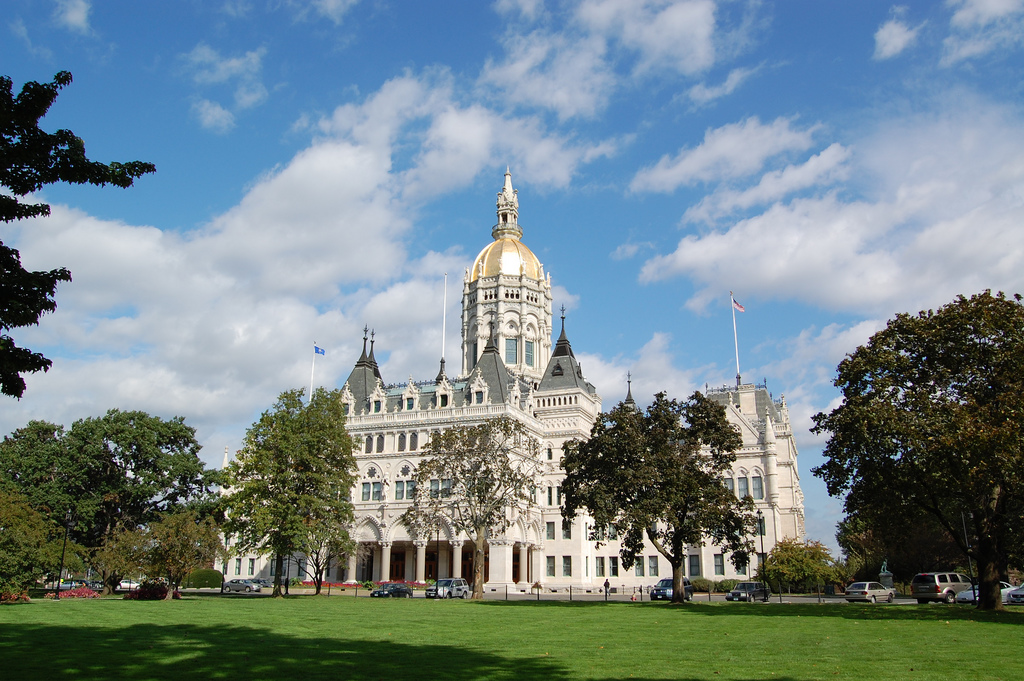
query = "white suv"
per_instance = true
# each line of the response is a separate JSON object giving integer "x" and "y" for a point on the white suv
{"x": 449, "y": 588}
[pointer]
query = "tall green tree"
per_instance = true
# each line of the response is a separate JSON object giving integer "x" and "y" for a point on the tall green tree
{"x": 30, "y": 545}
{"x": 119, "y": 471}
{"x": 29, "y": 160}
{"x": 931, "y": 420}
{"x": 660, "y": 474}
{"x": 179, "y": 543}
{"x": 477, "y": 478}
{"x": 292, "y": 478}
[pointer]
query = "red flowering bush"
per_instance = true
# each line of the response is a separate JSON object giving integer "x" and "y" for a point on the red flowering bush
{"x": 13, "y": 597}
{"x": 150, "y": 590}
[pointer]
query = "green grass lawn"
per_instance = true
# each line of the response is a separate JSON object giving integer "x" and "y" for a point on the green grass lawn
{"x": 305, "y": 637}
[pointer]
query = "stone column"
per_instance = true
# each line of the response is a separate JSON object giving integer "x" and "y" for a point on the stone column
{"x": 421, "y": 560}
{"x": 351, "y": 576}
{"x": 539, "y": 574}
{"x": 456, "y": 558}
{"x": 500, "y": 551}
{"x": 524, "y": 564}
{"x": 377, "y": 555}
{"x": 385, "y": 561}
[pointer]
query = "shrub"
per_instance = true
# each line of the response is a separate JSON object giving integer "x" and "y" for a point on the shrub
{"x": 702, "y": 584}
{"x": 726, "y": 585}
{"x": 11, "y": 596}
{"x": 150, "y": 590}
{"x": 205, "y": 579}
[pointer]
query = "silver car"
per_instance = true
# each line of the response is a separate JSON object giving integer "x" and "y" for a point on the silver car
{"x": 869, "y": 591}
{"x": 245, "y": 585}
{"x": 449, "y": 588}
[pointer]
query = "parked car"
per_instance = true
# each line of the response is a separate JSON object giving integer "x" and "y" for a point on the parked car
{"x": 449, "y": 588}
{"x": 938, "y": 586}
{"x": 127, "y": 585}
{"x": 1016, "y": 596}
{"x": 663, "y": 590}
{"x": 749, "y": 591}
{"x": 95, "y": 585}
{"x": 970, "y": 596}
{"x": 392, "y": 590}
{"x": 265, "y": 583}
{"x": 245, "y": 585}
{"x": 869, "y": 591}
{"x": 68, "y": 584}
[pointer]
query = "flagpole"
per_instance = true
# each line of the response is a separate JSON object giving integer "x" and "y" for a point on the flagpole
{"x": 313, "y": 366}
{"x": 735, "y": 337}
{"x": 444, "y": 314}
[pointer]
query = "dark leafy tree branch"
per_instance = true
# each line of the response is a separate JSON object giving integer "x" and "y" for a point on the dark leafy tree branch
{"x": 30, "y": 159}
{"x": 933, "y": 421}
{"x": 659, "y": 475}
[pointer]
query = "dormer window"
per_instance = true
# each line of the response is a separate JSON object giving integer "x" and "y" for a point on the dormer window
{"x": 444, "y": 400}
{"x": 376, "y": 406}
{"x": 409, "y": 404}
{"x": 479, "y": 396}
{"x": 557, "y": 371}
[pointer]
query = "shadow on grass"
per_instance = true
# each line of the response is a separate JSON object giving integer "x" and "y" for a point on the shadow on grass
{"x": 934, "y": 612}
{"x": 151, "y": 651}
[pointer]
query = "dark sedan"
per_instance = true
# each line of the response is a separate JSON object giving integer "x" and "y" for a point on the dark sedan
{"x": 392, "y": 590}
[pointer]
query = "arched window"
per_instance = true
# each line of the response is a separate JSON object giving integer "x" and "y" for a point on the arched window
{"x": 401, "y": 442}
{"x": 413, "y": 441}
{"x": 380, "y": 443}
{"x": 369, "y": 444}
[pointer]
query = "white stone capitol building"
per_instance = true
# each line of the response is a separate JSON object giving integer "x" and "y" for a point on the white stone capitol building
{"x": 509, "y": 367}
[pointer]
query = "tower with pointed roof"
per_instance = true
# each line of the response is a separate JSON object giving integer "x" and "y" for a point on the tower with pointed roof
{"x": 506, "y": 295}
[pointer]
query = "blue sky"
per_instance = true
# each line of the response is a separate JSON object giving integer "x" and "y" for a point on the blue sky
{"x": 322, "y": 163}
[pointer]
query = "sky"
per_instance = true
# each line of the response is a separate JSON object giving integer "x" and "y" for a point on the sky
{"x": 321, "y": 164}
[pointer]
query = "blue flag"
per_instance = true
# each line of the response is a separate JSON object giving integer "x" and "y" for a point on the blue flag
{"x": 319, "y": 351}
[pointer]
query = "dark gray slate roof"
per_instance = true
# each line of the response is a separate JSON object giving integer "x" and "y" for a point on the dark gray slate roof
{"x": 363, "y": 379}
{"x": 563, "y": 371}
{"x": 493, "y": 372}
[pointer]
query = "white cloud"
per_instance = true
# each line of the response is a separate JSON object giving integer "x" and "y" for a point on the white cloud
{"x": 979, "y": 27}
{"x": 219, "y": 320}
{"x": 674, "y": 34}
{"x": 569, "y": 76}
{"x": 213, "y": 116}
{"x": 209, "y": 68}
{"x": 731, "y": 151}
{"x": 19, "y": 29}
{"x": 822, "y": 169}
{"x": 702, "y": 94}
{"x": 335, "y": 10}
{"x": 894, "y": 36}
{"x": 73, "y": 14}
{"x": 943, "y": 219}
{"x": 528, "y": 9}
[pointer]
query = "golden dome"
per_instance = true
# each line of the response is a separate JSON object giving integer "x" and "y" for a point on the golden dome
{"x": 508, "y": 256}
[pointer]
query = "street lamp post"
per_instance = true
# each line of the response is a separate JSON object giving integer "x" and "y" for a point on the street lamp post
{"x": 760, "y": 558}
{"x": 60, "y": 572}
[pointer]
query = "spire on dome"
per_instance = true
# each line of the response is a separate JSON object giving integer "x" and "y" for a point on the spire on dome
{"x": 371, "y": 360}
{"x": 629, "y": 402}
{"x": 508, "y": 211}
